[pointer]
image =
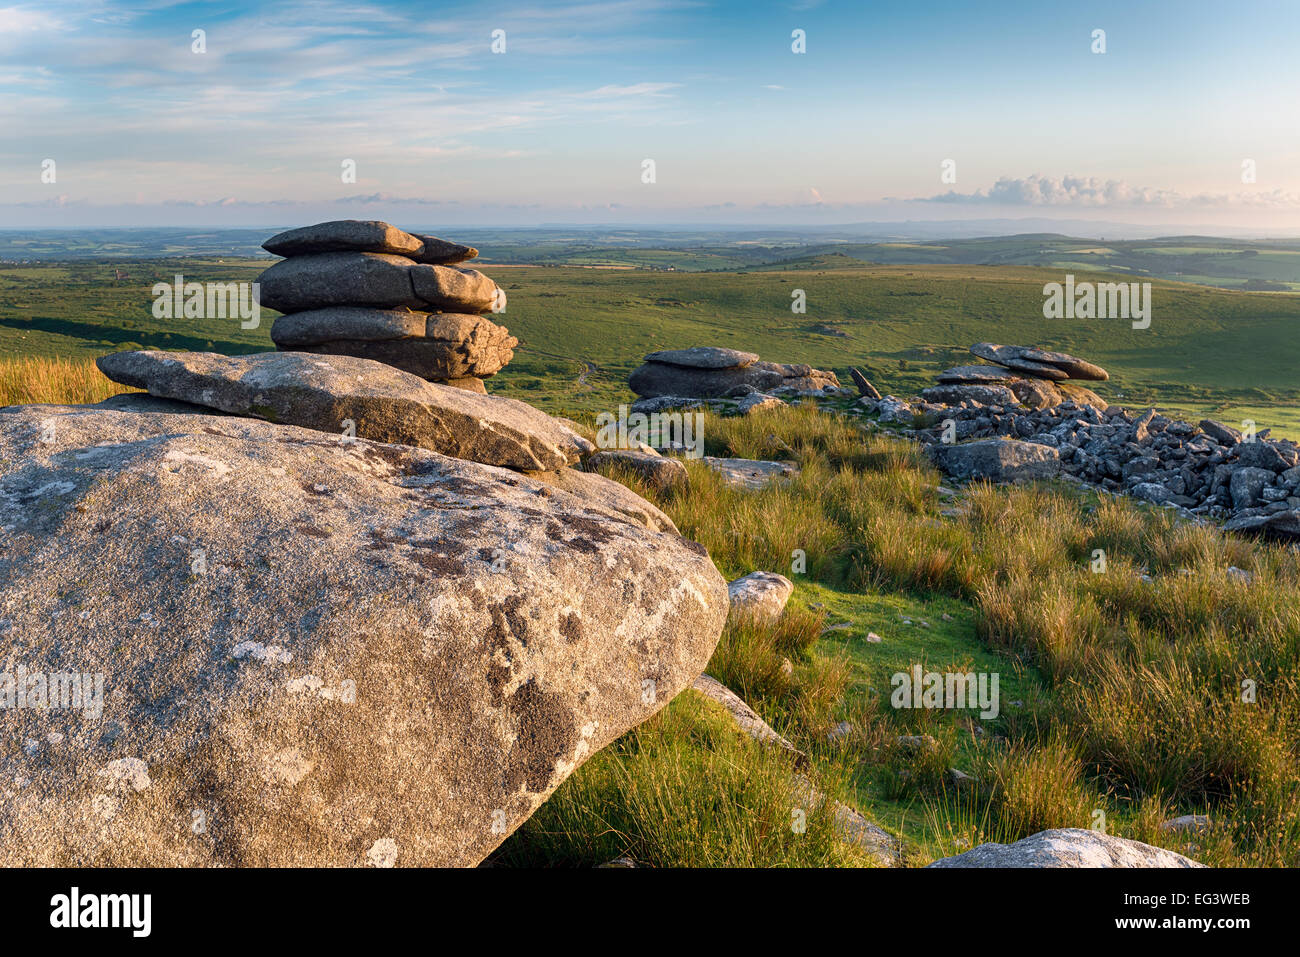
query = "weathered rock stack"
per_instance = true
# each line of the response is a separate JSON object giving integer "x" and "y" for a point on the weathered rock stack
{"x": 371, "y": 290}
{"x": 1022, "y": 375}
{"x": 711, "y": 372}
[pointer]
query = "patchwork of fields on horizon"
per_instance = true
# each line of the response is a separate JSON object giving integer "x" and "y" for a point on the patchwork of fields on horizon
{"x": 1228, "y": 354}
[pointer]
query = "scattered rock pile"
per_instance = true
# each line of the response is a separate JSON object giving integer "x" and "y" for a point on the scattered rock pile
{"x": 986, "y": 424}
{"x": 371, "y": 290}
{"x": 711, "y": 372}
{"x": 1208, "y": 469}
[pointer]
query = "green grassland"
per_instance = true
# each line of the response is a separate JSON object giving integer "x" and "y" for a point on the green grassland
{"x": 1118, "y": 690}
{"x": 1230, "y": 264}
{"x": 1229, "y": 354}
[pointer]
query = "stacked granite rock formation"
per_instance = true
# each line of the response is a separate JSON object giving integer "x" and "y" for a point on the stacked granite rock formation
{"x": 1022, "y": 375}
{"x": 317, "y": 580}
{"x": 711, "y": 372}
{"x": 373, "y": 291}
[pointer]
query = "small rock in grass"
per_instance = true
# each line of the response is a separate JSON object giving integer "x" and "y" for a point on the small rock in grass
{"x": 1187, "y": 824}
{"x": 759, "y": 596}
{"x": 841, "y": 730}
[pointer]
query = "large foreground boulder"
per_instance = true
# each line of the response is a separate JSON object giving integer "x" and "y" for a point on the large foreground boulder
{"x": 384, "y": 404}
{"x": 999, "y": 460}
{"x": 310, "y": 653}
{"x": 1068, "y": 847}
{"x": 608, "y": 495}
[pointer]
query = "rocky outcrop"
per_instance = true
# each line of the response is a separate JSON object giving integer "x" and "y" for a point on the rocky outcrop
{"x": 441, "y": 252}
{"x": 704, "y": 357}
{"x": 863, "y": 384}
{"x": 892, "y": 409}
{"x": 1039, "y": 394}
{"x": 710, "y": 372}
{"x": 976, "y": 375}
{"x": 982, "y": 394}
{"x": 999, "y": 460}
{"x": 750, "y": 474}
{"x": 609, "y": 495}
{"x": 371, "y": 290}
{"x": 382, "y": 403}
{"x": 314, "y": 653}
{"x": 659, "y": 471}
{"x": 1068, "y": 847}
{"x": 758, "y": 402}
{"x": 1022, "y": 375}
{"x": 1034, "y": 360}
{"x": 1210, "y": 471}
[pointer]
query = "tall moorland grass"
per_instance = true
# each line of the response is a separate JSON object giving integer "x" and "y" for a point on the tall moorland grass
{"x": 1175, "y": 680}
{"x": 684, "y": 789}
{"x": 34, "y": 379}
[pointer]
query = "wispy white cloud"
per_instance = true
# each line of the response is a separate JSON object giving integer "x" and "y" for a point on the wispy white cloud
{"x": 26, "y": 19}
{"x": 635, "y": 89}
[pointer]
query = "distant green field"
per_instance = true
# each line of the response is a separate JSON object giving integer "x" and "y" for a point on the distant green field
{"x": 1208, "y": 351}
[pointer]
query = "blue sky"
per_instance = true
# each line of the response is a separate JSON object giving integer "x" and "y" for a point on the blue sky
{"x": 254, "y": 131}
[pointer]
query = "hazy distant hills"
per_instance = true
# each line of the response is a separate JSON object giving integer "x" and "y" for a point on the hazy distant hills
{"x": 1263, "y": 265}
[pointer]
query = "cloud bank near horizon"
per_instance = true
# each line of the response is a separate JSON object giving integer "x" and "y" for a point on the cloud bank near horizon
{"x": 1090, "y": 191}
